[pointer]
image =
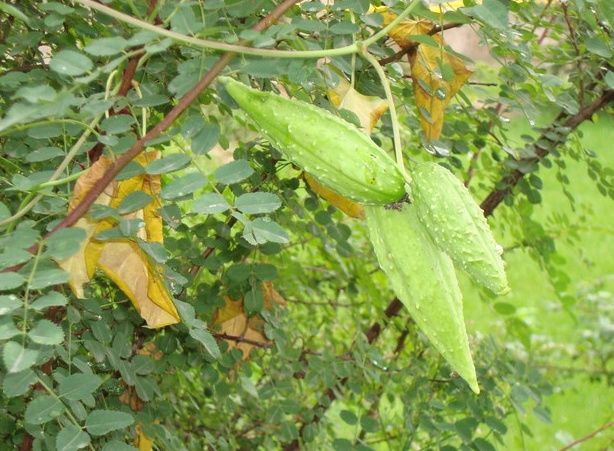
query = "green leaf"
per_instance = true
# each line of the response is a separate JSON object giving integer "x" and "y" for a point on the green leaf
{"x": 71, "y": 438}
{"x": 115, "y": 445}
{"x": 65, "y": 242}
{"x": 118, "y": 123}
{"x": 609, "y": 79}
{"x": 17, "y": 384}
{"x": 7, "y": 328}
{"x": 132, "y": 169}
{"x": 48, "y": 277}
{"x": 79, "y": 386}
{"x": 101, "y": 422}
{"x": 205, "y": 139}
{"x": 491, "y": 12}
{"x": 349, "y": 417}
{"x": 11, "y": 280}
{"x": 345, "y": 28}
{"x": 69, "y": 62}
{"x": 254, "y": 301}
{"x": 168, "y": 164}
{"x": 183, "y": 186}
{"x": 4, "y": 211}
{"x": 106, "y": 46}
{"x": 155, "y": 250}
{"x": 254, "y": 203}
{"x": 266, "y": 230}
{"x": 134, "y": 201}
{"x": 52, "y": 299}
{"x": 9, "y": 303}
{"x": 17, "y": 358}
{"x": 207, "y": 340}
{"x": 210, "y": 203}
{"x": 598, "y": 47}
{"x": 36, "y": 94}
{"x": 46, "y": 333}
{"x": 233, "y": 172}
{"x": 43, "y": 409}
{"x": 185, "y": 21}
{"x": 44, "y": 154}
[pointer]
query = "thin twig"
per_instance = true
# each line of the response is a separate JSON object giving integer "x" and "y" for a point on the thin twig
{"x": 588, "y": 436}
{"x": 239, "y": 339}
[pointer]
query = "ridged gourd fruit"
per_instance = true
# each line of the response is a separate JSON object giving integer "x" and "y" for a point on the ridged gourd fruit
{"x": 457, "y": 225}
{"x": 424, "y": 280}
{"x": 335, "y": 152}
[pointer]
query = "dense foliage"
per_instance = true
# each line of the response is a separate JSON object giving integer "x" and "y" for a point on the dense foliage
{"x": 134, "y": 193}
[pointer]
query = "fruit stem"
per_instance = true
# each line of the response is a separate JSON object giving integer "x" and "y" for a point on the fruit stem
{"x": 398, "y": 151}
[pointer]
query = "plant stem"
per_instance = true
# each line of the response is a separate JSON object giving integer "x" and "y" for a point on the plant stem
{"x": 271, "y": 53}
{"x": 398, "y": 150}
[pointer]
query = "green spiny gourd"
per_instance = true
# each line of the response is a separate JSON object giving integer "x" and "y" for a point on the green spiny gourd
{"x": 423, "y": 278}
{"x": 457, "y": 225}
{"x": 335, "y": 152}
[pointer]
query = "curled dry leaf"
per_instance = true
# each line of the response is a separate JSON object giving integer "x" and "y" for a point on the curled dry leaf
{"x": 368, "y": 109}
{"x": 123, "y": 260}
{"x": 232, "y": 320}
{"x": 437, "y": 74}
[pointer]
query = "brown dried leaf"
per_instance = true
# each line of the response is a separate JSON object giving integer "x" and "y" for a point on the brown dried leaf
{"x": 233, "y": 320}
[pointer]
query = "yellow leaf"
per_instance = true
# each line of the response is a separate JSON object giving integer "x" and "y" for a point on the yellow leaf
{"x": 368, "y": 109}
{"x": 432, "y": 92}
{"x": 143, "y": 441}
{"x": 232, "y": 320}
{"x": 124, "y": 263}
{"x": 350, "y": 208}
{"x": 122, "y": 260}
{"x": 81, "y": 266}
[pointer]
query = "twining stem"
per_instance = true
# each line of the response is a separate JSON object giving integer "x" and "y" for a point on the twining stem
{"x": 398, "y": 150}
{"x": 271, "y": 53}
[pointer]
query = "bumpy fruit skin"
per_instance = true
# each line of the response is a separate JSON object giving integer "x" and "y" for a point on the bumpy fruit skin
{"x": 423, "y": 278}
{"x": 457, "y": 225}
{"x": 335, "y": 152}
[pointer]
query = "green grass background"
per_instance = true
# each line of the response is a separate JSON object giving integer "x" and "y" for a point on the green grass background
{"x": 578, "y": 406}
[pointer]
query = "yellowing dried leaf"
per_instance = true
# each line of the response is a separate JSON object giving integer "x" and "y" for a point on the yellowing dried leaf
{"x": 368, "y": 109}
{"x": 81, "y": 265}
{"x": 232, "y": 320}
{"x": 433, "y": 93}
{"x": 349, "y": 207}
{"x": 143, "y": 442}
{"x": 125, "y": 264}
{"x": 122, "y": 260}
{"x": 80, "y": 272}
